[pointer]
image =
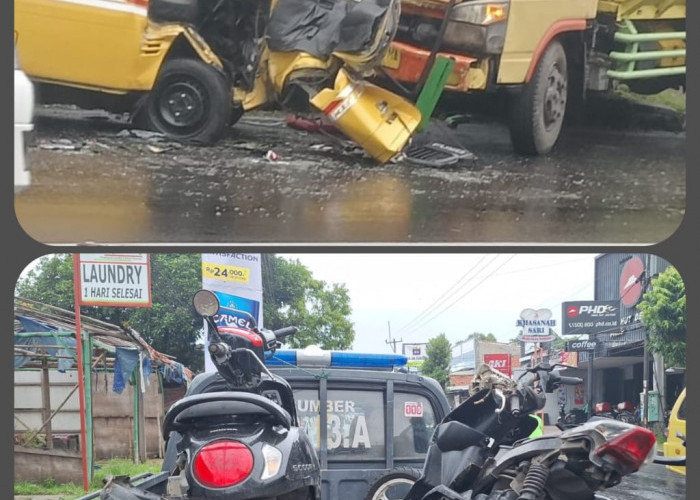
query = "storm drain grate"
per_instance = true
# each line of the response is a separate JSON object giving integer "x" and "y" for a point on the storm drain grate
{"x": 436, "y": 155}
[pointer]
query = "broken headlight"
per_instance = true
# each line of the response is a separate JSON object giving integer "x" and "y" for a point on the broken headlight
{"x": 477, "y": 27}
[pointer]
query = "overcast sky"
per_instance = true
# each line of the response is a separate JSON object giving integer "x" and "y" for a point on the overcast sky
{"x": 420, "y": 296}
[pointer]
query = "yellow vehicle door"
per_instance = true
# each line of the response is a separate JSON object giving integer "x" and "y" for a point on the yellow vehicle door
{"x": 85, "y": 43}
{"x": 673, "y": 447}
{"x": 532, "y": 24}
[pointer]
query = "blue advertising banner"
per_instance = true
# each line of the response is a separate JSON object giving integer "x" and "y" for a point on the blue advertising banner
{"x": 236, "y": 279}
{"x": 233, "y": 309}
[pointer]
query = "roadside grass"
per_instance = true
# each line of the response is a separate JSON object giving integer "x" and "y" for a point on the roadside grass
{"x": 669, "y": 98}
{"x": 69, "y": 491}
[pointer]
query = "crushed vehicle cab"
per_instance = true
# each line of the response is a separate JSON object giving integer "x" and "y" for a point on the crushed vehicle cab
{"x": 190, "y": 68}
{"x": 545, "y": 54}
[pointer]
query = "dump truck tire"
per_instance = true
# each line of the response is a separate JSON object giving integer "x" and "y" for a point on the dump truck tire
{"x": 536, "y": 114}
{"x": 190, "y": 102}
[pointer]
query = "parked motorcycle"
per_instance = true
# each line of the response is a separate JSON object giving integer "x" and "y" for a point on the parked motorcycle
{"x": 480, "y": 451}
{"x": 574, "y": 417}
{"x": 623, "y": 411}
{"x": 235, "y": 434}
{"x": 237, "y": 55}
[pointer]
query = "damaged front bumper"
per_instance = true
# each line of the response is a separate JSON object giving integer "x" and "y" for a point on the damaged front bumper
{"x": 405, "y": 63}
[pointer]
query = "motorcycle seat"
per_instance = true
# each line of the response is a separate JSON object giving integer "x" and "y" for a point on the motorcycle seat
{"x": 221, "y": 404}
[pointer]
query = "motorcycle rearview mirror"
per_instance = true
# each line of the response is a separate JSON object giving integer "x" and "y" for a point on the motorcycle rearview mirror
{"x": 206, "y": 303}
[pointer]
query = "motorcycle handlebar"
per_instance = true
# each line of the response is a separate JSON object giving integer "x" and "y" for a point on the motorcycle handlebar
{"x": 570, "y": 380}
{"x": 285, "y": 332}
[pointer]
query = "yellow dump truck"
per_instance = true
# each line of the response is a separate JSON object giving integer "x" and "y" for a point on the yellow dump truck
{"x": 543, "y": 55}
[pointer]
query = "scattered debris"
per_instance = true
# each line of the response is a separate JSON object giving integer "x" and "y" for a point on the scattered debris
{"x": 60, "y": 144}
{"x": 141, "y": 134}
{"x": 272, "y": 156}
{"x": 248, "y": 146}
{"x": 321, "y": 147}
{"x": 454, "y": 120}
{"x": 436, "y": 154}
{"x": 310, "y": 125}
{"x": 156, "y": 149}
{"x": 261, "y": 121}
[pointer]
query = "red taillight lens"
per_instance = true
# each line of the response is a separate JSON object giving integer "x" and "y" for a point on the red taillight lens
{"x": 222, "y": 463}
{"x": 630, "y": 450}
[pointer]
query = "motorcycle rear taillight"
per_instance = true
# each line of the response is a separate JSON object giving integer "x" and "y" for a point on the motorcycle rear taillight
{"x": 629, "y": 450}
{"x": 223, "y": 463}
{"x": 625, "y": 406}
{"x": 602, "y": 407}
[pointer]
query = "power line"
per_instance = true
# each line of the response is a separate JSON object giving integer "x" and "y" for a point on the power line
{"x": 436, "y": 301}
{"x": 463, "y": 295}
{"x": 432, "y": 306}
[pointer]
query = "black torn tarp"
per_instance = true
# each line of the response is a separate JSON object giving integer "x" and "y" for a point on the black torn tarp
{"x": 321, "y": 27}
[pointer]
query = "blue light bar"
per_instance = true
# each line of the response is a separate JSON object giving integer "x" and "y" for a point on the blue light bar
{"x": 314, "y": 357}
{"x": 282, "y": 358}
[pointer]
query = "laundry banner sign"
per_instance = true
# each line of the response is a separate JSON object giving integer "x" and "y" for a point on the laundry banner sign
{"x": 236, "y": 279}
{"x": 114, "y": 279}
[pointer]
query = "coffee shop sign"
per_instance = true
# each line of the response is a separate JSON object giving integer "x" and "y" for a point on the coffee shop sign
{"x": 536, "y": 324}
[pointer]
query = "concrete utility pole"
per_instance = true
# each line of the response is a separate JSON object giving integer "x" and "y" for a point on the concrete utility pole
{"x": 589, "y": 399}
{"x": 392, "y": 342}
{"x": 645, "y": 384}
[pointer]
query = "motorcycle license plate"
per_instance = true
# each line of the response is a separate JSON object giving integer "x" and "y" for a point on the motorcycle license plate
{"x": 392, "y": 59}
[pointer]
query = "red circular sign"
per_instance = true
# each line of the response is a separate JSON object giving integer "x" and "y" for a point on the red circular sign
{"x": 572, "y": 311}
{"x": 630, "y": 281}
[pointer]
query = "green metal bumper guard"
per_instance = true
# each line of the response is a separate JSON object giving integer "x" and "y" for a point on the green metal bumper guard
{"x": 627, "y": 60}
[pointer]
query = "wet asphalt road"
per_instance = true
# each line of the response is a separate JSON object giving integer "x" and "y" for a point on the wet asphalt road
{"x": 93, "y": 181}
{"x": 652, "y": 482}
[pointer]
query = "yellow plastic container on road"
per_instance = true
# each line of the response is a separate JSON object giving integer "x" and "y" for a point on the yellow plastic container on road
{"x": 378, "y": 120}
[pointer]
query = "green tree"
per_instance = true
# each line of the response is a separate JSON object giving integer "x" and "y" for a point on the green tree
{"x": 484, "y": 337}
{"x": 291, "y": 296}
{"x": 438, "y": 354}
{"x": 664, "y": 316}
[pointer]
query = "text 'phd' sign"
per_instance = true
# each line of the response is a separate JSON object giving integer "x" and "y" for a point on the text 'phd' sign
{"x": 114, "y": 279}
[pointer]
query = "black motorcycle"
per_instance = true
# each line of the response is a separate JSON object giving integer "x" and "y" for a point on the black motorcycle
{"x": 480, "y": 451}
{"x": 235, "y": 434}
{"x": 623, "y": 411}
{"x": 572, "y": 418}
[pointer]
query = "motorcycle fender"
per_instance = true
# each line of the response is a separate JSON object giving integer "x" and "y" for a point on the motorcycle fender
{"x": 380, "y": 121}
